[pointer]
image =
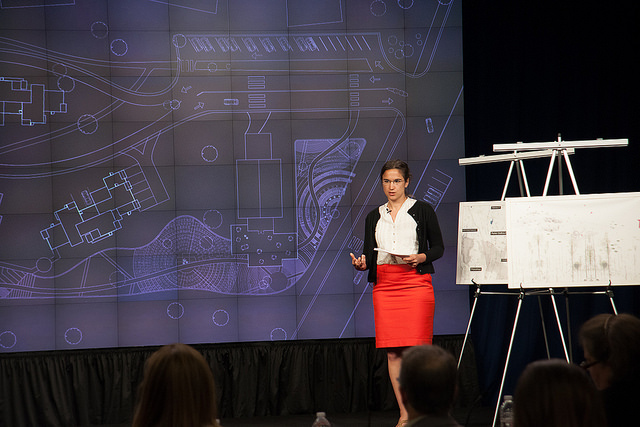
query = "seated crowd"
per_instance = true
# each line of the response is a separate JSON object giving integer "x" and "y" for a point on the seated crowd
{"x": 178, "y": 388}
{"x": 556, "y": 393}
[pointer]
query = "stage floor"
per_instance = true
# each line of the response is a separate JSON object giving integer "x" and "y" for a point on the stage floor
{"x": 476, "y": 417}
{"x": 479, "y": 416}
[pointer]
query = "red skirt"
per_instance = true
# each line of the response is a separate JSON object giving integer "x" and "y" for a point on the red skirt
{"x": 403, "y": 306}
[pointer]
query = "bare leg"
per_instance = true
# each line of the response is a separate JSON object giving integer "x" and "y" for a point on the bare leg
{"x": 394, "y": 360}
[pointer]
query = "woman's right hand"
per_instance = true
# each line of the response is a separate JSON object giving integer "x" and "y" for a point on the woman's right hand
{"x": 359, "y": 263}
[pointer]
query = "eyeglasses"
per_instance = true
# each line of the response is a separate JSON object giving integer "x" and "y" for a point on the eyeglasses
{"x": 586, "y": 365}
{"x": 388, "y": 182}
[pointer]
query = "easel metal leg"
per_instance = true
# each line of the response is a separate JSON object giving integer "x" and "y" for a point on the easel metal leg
{"x": 560, "y": 180}
{"x": 548, "y": 180}
{"x": 523, "y": 179}
{"x": 609, "y": 292}
{"x": 506, "y": 183}
{"x": 466, "y": 335}
{"x": 569, "y": 338}
{"x": 555, "y": 309}
{"x": 544, "y": 328}
{"x": 570, "y": 169}
{"x": 506, "y": 363}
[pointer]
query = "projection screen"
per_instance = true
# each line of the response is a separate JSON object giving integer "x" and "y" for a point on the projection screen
{"x": 198, "y": 171}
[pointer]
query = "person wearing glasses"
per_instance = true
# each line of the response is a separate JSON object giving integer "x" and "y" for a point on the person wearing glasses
{"x": 611, "y": 345}
{"x": 402, "y": 239}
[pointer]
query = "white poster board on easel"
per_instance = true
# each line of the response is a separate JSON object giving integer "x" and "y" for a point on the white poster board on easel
{"x": 550, "y": 241}
{"x": 482, "y": 243}
{"x": 569, "y": 241}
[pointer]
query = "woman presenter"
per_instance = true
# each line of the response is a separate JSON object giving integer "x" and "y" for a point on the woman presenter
{"x": 402, "y": 239}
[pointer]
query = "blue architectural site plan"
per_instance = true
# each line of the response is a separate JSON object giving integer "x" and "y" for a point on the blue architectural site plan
{"x": 199, "y": 171}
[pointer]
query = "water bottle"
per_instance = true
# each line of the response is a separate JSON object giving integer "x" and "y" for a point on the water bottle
{"x": 321, "y": 420}
{"x": 506, "y": 412}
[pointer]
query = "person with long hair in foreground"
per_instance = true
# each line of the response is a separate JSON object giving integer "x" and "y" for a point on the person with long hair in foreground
{"x": 177, "y": 390}
{"x": 554, "y": 393}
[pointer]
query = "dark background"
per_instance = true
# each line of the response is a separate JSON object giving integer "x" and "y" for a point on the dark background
{"x": 534, "y": 70}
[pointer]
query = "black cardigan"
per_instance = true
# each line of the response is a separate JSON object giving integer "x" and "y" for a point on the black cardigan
{"x": 429, "y": 238}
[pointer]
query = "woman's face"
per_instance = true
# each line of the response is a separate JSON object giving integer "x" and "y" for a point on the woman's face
{"x": 394, "y": 185}
{"x": 600, "y": 372}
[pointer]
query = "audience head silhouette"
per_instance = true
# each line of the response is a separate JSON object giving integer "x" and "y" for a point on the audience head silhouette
{"x": 554, "y": 393}
{"x": 177, "y": 390}
{"x": 611, "y": 345}
{"x": 428, "y": 380}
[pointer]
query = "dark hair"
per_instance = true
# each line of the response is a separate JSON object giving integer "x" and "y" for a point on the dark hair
{"x": 615, "y": 341}
{"x": 428, "y": 378}
{"x": 555, "y": 393}
{"x": 402, "y": 166}
{"x": 177, "y": 390}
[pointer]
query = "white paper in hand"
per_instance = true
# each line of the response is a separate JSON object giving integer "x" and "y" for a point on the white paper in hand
{"x": 391, "y": 253}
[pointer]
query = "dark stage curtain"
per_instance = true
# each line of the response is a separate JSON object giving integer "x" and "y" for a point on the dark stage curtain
{"x": 95, "y": 387}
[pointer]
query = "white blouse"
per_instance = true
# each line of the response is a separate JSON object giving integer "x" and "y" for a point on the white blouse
{"x": 399, "y": 236}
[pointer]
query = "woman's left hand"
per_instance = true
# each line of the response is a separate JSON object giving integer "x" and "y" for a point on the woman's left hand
{"x": 415, "y": 259}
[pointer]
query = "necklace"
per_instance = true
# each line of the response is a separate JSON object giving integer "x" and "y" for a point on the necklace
{"x": 391, "y": 208}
